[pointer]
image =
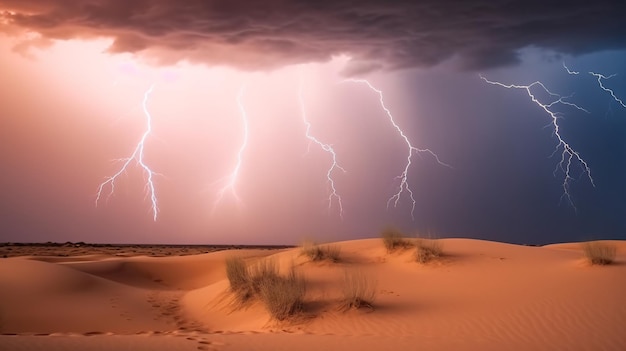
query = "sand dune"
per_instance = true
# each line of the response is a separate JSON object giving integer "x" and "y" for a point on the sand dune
{"x": 480, "y": 296}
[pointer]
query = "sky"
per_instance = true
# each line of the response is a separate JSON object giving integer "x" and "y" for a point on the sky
{"x": 271, "y": 122}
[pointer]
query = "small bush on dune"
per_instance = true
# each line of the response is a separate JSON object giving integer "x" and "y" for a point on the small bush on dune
{"x": 332, "y": 253}
{"x": 394, "y": 239}
{"x": 262, "y": 273}
{"x": 599, "y": 253}
{"x": 358, "y": 291}
{"x": 239, "y": 278}
{"x": 427, "y": 250}
{"x": 283, "y": 296}
{"x": 317, "y": 252}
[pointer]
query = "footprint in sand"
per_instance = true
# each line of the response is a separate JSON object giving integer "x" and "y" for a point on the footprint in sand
{"x": 205, "y": 345}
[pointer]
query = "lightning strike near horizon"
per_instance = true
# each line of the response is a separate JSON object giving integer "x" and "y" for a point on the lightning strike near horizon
{"x": 138, "y": 157}
{"x": 231, "y": 179}
{"x": 404, "y": 181}
{"x": 568, "y": 154}
{"x": 326, "y": 148}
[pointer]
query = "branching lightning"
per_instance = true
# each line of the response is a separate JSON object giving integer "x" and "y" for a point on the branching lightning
{"x": 404, "y": 182}
{"x": 138, "y": 157}
{"x": 327, "y": 148}
{"x": 600, "y": 78}
{"x": 231, "y": 179}
{"x": 568, "y": 154}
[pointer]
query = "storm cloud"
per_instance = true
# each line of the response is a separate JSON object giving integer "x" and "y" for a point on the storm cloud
{"x": 377, "y": 34}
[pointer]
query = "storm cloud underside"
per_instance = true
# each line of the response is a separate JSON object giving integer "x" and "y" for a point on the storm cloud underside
{"x": 377, "y": 34}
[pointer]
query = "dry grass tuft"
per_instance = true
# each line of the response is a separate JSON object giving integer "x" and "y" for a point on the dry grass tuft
{"x": 261, "y": 273}
{"x": 599, "y": 253}
{"x": 317, "y": 252}
{"x": 239, "y": 278}
{"x": 394, "y": 239}
{"x": 427, "y": 250}
{"x": 282, "y": 296}
{"x": 358, "y": 291}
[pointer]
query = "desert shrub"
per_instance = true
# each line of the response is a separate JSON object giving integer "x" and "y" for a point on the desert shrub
{"x": 358, "y": 291}
{"x": 332, "y": 253}
{"x": 239, "y": 278}
{"x": 317, "y": 252}
{"x": 283, "y": 296}
{"x": 427, "y": 250}
{"x": 394, "y": 239}
{"x": 599, "y": 253}
{"x": 263, "y": 272}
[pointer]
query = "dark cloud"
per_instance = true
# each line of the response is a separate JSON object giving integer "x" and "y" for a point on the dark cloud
{"x": 376, "y": 33}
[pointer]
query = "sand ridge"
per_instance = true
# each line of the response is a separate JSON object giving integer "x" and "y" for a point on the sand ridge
{"x": 481, "y": 295}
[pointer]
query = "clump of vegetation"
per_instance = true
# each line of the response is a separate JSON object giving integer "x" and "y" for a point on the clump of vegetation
{"x": 394, "y": 239}
{"x": 358, "y": 291}
{"x": 282, "y": 296}
{"x": 239, "y": 278}
{"x": 317, "y": 252}
{"x": 427, "y": 250}
{"x": 599, "y": 253}
{"x": 261, "y": 273}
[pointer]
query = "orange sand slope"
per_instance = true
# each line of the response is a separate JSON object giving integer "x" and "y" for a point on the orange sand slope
{"x": 480, "y": 296}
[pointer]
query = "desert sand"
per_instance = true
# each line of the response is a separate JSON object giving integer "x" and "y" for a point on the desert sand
{"x": 480, "y": 295}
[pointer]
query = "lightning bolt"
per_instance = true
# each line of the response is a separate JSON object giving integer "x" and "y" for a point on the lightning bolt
{"x": 138, "y": 157}
{"x": 327, "y": 148}
{"x": 568, "y": 154}
{"x": 600, "y": 78}
{"x": 231, "y": 179}
{"x": 404, "y": 176}
{"x": 570, "y": 71}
